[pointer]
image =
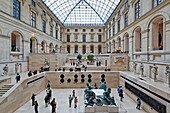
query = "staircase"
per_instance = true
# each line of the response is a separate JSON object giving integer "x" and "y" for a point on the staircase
{"x": 4, "y": 89}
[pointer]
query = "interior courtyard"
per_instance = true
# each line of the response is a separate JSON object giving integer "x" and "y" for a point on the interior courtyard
{"x": 94, "y": 47}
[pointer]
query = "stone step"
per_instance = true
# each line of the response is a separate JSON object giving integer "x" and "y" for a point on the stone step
{"x": 4, "y": 88}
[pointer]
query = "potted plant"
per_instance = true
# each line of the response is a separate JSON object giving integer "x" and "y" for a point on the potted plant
{"x": 90, "y": 58}
{"x": 79, "y": 57}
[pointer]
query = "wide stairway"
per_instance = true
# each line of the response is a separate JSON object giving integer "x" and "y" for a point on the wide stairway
{"x": 4, "y": 89}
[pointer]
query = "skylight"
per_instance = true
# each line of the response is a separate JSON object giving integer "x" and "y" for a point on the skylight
{"x": 82, "y": 12}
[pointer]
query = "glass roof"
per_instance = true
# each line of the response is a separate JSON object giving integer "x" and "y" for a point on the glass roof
{"x": 82, "y": 12}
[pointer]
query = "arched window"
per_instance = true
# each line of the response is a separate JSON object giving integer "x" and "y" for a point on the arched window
{"x": 138, "y": 40}
{"x": 56, "y": 48}
{"x": 43, "y": 47}
{"x": 51, "y": 47}
{"x": 68, "y": 48}
{"x": 92, "y": 48}
{"x": 119, "y": 43}
{"x": 157, "y": 34}
{"x": 33, "y": 45}
{"x": 110, "y": 46}
{"x": 16, "y": 42}
{"x": 126, "y": 42}
{"x": 114, "y": 47}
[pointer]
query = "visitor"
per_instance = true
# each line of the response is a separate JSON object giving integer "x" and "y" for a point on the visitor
{"x": 118, "y": 89}
{"x": 36, "y": 107}
{"x": 138, "y": 104}
{"x": 70, "y": 100}
{"x": 33, "y": 99}
{"x": 95, "y": 86}
{"x": 47, "y": 100}
{"x": 48, "y": 85}
{"x": 49, "y": 93}
{"x": 121, "y": 94}
{"x": 53, "y": 105}
{"x": 29, "y": 73}
{"x": 85, "y": 68}
{"x": 35, "y": 72}
{"x": 18, "y": 77}
{"x": 63, "y": 69}
{"x": 75, "y": 102}
{"x": 73, "y": 93}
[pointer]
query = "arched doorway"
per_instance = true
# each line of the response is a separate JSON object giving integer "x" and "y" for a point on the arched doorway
{"x": 51, "y": 48}
{"x": 126, "y": 43}
{"x": 138, "y": 43}
{"x": 99, "y": 49}
{"x": 84, "y": 49}
{"x": 91, "y": 48}
{"x": 33, "y": 45}
{"x": 76, "y": 49}
{"x": 43, "y": 47}
{"x": 16, "y": 42}
{"x": 68, "y": 48}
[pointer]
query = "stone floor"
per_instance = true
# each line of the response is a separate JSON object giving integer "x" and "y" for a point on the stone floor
{"x": 61, "y": 95}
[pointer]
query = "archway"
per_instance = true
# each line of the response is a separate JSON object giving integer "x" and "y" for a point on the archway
{"x": 138, "y": 40}
{"x": 91, "y": 48}
{"x": 43, "y": 47}
{"x": 76, "y": 49}
{"x": 33, "y": 45}
{"x": 99, "y": 49}
{"x": 16, "y": 42}
{"x": 51, "y": 47}
{"x": 68, "y": 48}
{"x": 126, "y": 43}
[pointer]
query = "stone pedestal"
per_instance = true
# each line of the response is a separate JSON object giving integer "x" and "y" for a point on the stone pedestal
{"x": 101, "y": 108}
{"x": 113, "y": 109}
{"x": 90, "y": 109}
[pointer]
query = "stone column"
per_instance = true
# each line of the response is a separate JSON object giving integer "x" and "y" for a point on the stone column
{"x": 71, "y": 49}
{"x": 167, "y": 73}
{"x": 150, "y": 74}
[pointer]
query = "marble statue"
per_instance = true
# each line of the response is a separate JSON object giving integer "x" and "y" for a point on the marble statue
{"x": 5, "y": 69}
{"x": 16, "y": 67}
{"x": 167, "y": 73}
{"x": 134, "y": 67}
{"x": 107, "y": 99}
{"x": 103, "y": 85}
{"x": 155, "y": 71}
{"x": 141, "y": 69}
{"x": 89, "y": 86}
{"x": 46, "y": 63}
{"x": 89, "y": 96}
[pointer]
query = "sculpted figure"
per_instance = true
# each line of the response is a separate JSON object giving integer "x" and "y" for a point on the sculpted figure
{"x": 89, "y": 86}
{"x": 103, "y": 85}
{"x": 134, "y": 67}
{"x": 141, "y": 68}
{"x": 89, "y": 96}
{"x": 167, "y": 73}
{"x": 107, "y": 99}
{"x": 46, "y": 63}
{"x": 5, "y": 69}
{"x": 155, "y": 71}
{"x": 16, "y": 67}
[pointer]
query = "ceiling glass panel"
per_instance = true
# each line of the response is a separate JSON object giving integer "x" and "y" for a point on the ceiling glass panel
{"x": 82, "y": 12}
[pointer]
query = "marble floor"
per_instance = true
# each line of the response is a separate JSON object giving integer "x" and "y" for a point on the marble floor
{"x": 61, "y": 95}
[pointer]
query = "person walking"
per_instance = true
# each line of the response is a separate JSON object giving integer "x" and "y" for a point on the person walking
{"x": 138, "y": 104}
{"x": 121, "y": 94}
{"x": 33, "y": 99}
{"x": 70, "y": 100}
{"x": 36, "y": 107}
{"x": 73, "y": 93}
{"x": 53, "y": 105}
{"x": 46, "y": 100}
{"x": 75, "y": 102}
{"x": 18, "y": 77}
{"x": 29, "y": 74}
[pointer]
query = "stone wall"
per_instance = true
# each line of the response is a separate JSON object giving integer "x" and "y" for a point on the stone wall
{"x": 55, "y": 60}
{"x": 56, "y": 81}
{"x": 21, "y": 93}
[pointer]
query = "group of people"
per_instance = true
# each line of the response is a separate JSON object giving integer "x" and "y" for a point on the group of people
{"x": 120, "y": 91}
{"x": 71, "y": 99}
{"x": 30, "y": 73}
{"x": 73, "y": 63}
{"x": 98, "y": 63}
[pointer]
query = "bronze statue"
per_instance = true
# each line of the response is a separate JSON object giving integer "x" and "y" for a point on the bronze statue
{"x": 107, "y": 99}
{"x": 89, "y": 86}
{"x": 89, "y": 96}
{"x": 103, "y": 85}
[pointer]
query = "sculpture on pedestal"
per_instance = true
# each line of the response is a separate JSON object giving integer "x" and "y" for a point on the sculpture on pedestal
{"x": 89, "y": 96}
{"x": 103, "y": 85}
{"x": 141, "y": 69}
{"x": 134, "y": 67}
{"x": 155, "y": 71}
{"x": 167, "y": 73}
{"x": 107, "y": 99}
{"x": 5, "y": 69}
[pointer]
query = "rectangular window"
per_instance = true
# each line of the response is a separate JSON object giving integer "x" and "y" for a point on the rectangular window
{"x": 16, "y": 9}
{"x": 68, "y": 38}
{"x": 43, "y": 13}
{"x": 156, "y": 2}
{"x": 51, "y": 20}
{"x": 113, "y": 19}
{"x": 92, "y": 38}
{"x": 44, "y": 26}
{"x": 76, "y": 30}
{"x": 33, "y": 3}
{"x": 68, "y": 30}
{"x": 126, "y": 19}
{"x": 126, "y": 4}
{"x": 100, "y": 30}
{"x": 51, "y": 30}
{"x": 76, "y": 38}
{"x": 99, "y": 38}
{"x": 137, "y": 10}
{"x": 118, "y": 13}
{"x": 56, "y": 24}
{"x": 56, "y": 34}
{"x": 84, "y": 38}
{"x": 118, "y": 26}
{"x": 33, "y": 19}
{"x": 84, "y": 30}
{"x": 109, "y": 33}
{"x": 92, "y": 30}
{"x": 113, "y": 30}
